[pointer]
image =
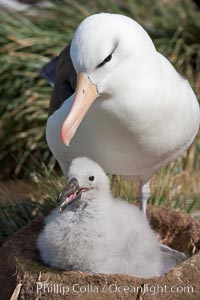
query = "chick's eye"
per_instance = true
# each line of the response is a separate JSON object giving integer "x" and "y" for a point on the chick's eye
{"x": 107, "y": 59}
{"x": 91, "y": 178}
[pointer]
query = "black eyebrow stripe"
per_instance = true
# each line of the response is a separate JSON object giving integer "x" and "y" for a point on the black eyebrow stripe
{"x": 103, "y": 62}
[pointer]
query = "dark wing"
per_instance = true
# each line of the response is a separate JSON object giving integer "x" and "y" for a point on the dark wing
{"x": 61, "y": 74}
{"x": 48, "y": 71}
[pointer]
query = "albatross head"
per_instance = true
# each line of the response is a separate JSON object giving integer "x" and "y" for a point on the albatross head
{"x": 102, "y": 48}
{"x": 86, "y": 180}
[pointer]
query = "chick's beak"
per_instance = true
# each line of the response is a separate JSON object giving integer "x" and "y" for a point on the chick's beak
{"x": 70, "y": 193}
{"x": 86, "y": 93}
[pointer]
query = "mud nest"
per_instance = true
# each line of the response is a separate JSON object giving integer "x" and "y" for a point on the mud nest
{"x": 24, "y": 277}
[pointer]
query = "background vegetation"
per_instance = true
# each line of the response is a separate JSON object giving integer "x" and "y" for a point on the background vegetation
{"x": 27, "y": 42}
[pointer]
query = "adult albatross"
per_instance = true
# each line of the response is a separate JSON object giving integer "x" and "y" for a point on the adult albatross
{"x": 131, "y": 112}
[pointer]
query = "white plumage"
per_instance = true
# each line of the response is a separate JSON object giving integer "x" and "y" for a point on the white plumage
{"x": 98, "y": 233}
{"x": 145, "y": 114}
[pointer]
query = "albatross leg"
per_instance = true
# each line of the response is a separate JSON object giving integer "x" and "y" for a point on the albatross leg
{"x": 144, "y": 194}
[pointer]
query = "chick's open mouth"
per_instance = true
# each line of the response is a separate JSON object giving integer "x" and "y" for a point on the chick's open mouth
{"x": 71, "y": 193}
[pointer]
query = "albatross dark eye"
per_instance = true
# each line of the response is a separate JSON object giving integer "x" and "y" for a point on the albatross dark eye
{"x": 107, "y": 59}
{"x": 91, "y": 178}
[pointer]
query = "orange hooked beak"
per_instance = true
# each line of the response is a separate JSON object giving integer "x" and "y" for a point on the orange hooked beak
{"x": 86, "y": 93}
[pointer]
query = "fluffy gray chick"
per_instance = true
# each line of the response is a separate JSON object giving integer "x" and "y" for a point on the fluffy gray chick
{"x": 96, "y": 232}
